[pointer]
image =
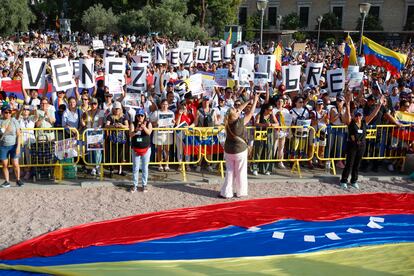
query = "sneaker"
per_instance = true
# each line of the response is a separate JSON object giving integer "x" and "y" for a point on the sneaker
{"x": 6, "y": 184}
{"x": 160, "y": 168}
{"x": 19, "y": 183}
{"x": 210, "y": 169}
{"x": 133, "y": 189}
{"x": 355, "y": 185}
{"x": 340, "y": 165}
{"x": 145, "y": 189}
{"x": 267, "y": 173}
{"x": 255, "y": 172}
{"x": 344, "y": 185}
{"x": 281, "y": 166}
{"x": 166, "y": 168}
{"x": 198, "y": 169}
{"x": 390, "y": 167}
{"x": 93, "y": 172}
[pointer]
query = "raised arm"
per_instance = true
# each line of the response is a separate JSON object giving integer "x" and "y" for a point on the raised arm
{"x": 249, "y": 116}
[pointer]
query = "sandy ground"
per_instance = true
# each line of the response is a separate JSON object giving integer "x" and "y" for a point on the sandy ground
{"x": 31, "y": 211}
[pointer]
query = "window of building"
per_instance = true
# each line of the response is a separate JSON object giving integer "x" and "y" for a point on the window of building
{"x": 375, "y": 11}
{"x": 242, "y": 15}
{"x": 272, "y": 16}
{"x": 410, "y": 12}
{"x": 304, "y": 16}
{"x": 338, "y": 13}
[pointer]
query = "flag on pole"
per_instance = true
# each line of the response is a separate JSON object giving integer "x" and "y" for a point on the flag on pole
{"x": 228, "y": 40}
{"x": 278, "y": 56}
{"x": 350, "y": 57}
{"x": 378, "y": 55}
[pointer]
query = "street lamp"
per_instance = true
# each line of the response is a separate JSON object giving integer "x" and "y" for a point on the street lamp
{"x": 364, "y": 10}
{"x": 319, "y": 19}
{"x": 261, "y": 6}
{"x": 279, "y": 21}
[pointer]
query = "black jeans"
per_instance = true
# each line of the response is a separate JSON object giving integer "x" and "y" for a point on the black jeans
{"x": 354, "y": 154}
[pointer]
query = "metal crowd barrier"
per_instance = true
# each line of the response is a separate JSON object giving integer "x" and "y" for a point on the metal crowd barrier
{"x": 57, "y": 148}
{"x": 382, "y": 142}
{"x": 169, "y": 146}
{"x": 265, "y": 146}
{"x": 53, "y": 148}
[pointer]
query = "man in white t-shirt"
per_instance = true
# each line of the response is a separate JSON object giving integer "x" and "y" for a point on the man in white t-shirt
{"x": 183, "y": 73}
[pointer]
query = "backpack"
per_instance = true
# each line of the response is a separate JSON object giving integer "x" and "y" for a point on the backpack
{"x": 207, "y": 118}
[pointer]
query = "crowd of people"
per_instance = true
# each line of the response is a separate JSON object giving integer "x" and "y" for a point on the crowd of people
{"x": 376, "y": 100}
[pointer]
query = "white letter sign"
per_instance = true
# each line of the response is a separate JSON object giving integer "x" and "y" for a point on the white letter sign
{"x": 313, "y": 73}
{"x": 160, "y": 54}
{"x": 34, "y": 70}
{"x": 86, "y": 73}
{"x": 291, "y": 77}
{"x": 62, "y": 74}
{"x": 202, "y": 54}
{"x": 336, "y": 81}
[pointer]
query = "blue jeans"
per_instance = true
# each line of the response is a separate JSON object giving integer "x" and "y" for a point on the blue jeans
{"x": 145, "y": 159}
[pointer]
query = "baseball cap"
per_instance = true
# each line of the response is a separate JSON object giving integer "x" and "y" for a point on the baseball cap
{"x": 170, "y": 84}
{"x": 206, "y": 98}
{"x": 12, "y": 95}
{"x": 5, "y": 107}
{"x": 94, "y": 100}
{"x": 117, "y": 105}
{"x": 340, "y": 98}
{"x": 319, "y": 101}
{"x": 140, "y": 111}
{"x": 359, "y": 111}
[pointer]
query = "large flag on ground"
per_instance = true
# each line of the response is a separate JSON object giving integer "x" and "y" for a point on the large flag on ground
{"x": 278, "y": 55}
{"x": 365, "y": 234}
{"x": 350, "y": 57}
{"x": 378, "y": 55}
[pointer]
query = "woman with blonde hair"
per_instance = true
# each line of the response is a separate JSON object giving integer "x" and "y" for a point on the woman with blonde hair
{"x": 235, "y": 151}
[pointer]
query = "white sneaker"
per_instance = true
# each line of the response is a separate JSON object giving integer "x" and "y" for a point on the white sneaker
{"x": 281, "y": 166}
{"x": 93, "y": 172}
{"x": 267, "y": 173}
{"x": 255, "y": 172}
{"x": 198, "y": 169}
{"x": 210, "y": 169}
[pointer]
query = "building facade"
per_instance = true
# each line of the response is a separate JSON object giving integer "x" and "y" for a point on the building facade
{"x": 393, "y": 13}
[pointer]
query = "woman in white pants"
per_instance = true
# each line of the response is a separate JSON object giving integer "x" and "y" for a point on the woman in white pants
{"x": 235, "y": 151}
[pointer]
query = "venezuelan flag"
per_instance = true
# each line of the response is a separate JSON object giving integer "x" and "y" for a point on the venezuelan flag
{"x": 207, "y": 142}
{"x": 367, "y": 234}
{"x": 278, "y": 54}
{"x": 15, "y": 86}
{"x": 405, "y": 133}
{"x": 228, "y": 40}
{"x": 378, "y": 55}
{"x": 350, "y": 57}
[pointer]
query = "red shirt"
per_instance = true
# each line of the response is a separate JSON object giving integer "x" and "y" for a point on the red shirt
{"x": 188, "y": 118}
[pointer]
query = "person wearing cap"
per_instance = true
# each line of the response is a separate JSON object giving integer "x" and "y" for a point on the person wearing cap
{"x": 140, "y": 134}
{"x": 221, "y": 109}
{"x": 336, "y": 135}
{"x": 14, "y": 105}
{"x": 320, "y": 119}
{"x": 93, "y": 118}
{"x": 235, "y": 151}
{"x": 355, "y": 149}
{"x": 117, "y": 122}
{"x": 10, "y": 145}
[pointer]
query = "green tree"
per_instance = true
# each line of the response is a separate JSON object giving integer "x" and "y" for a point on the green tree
{"x": 132, "y": 22}
{"x": 330, "y": 22}
{"x": 97, "y": 20}
{"x": 172, "y": 19}
{"x": 15, "y": 15}
{"x": 290, "y": 21}
{"x": 252, "y": 26}
{"x": 215, "y": 14}
{"x": 372, "y": 23}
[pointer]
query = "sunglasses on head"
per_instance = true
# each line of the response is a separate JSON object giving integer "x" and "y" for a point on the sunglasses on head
{"x": 140, "y": 115}
{"x": 94, "y": 103}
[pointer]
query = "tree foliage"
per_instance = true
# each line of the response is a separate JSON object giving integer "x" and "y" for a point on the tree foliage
{"x": 330, "y": 22}
{"x": 15, "y": 15}
{"x": 252, "y": 26}
{"x": 290, "y": 21}
{"x": 98, "y": 20}
{"x": 372, "y": 23}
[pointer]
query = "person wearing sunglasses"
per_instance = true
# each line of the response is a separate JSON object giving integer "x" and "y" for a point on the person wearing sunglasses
{"x": 93, "y": 119}
{"x": 10, "y": 145}
{"x": 140, "y": 133}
